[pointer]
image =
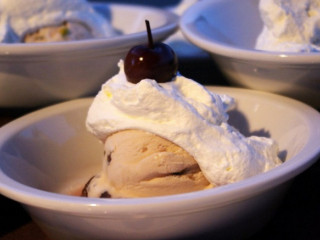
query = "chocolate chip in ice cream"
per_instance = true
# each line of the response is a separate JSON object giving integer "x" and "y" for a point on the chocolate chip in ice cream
{"x": 105, "y": 195}
{"x": 84, "y": 192}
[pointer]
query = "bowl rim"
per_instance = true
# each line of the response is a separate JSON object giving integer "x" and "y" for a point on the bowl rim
{"x": 190, "y": 31}
{"x": 164, "y": 205}
{"x": 34, "y": 49}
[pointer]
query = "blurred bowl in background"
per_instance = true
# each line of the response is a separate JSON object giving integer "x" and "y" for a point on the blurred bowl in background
{"x": 228, "y": 29}
{"x": 38, "y": 74}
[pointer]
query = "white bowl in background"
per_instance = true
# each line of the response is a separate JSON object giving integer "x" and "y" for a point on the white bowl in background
{"x": 228, "y": 29}
{"x": 43, "y": 73}
{"x": 50, "y": 149}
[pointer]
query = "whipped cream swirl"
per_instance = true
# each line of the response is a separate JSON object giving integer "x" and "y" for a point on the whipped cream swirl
{"x": 186, "y": 113}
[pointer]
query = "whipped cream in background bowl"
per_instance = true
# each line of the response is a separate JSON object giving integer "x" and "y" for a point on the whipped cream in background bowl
{"x": 267, "y": 45}
{"x": 290, "y": 26}
{"x": 41, "y": 73}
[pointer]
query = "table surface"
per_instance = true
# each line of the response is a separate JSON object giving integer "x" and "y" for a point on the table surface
{"x": 298, "y": 217}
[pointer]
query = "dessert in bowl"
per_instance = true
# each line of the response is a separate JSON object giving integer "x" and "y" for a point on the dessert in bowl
{"x": 229, "y": 31}
{"x": 37, "y": 74}
{"x": 165, "y": 134}
{"x": 51, "y": 151}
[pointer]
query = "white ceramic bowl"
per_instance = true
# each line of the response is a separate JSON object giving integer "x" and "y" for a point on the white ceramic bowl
{"x": 43, "y": 73}
{"x": 227, "y": 29}
{"x": 47, "y": 150}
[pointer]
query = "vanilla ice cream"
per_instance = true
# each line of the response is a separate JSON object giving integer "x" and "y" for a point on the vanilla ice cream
{"x": 290, "y": 25}
{"x": 21, "y": 17}
{"x": 188, "y": 115}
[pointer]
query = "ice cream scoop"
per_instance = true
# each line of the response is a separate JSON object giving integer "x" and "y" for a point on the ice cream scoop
{"x": 168, "y": 135}
{"x": 188, "y": 115}
{"x": 141, "y": 164}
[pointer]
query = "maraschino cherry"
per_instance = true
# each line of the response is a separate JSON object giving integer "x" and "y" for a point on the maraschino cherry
{"x": 155, "y": 61}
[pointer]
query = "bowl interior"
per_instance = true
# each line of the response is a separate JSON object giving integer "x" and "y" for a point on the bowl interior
{"x": 51, "y": 149}
{"x": 126, "y": 24}
{"x": 236, "y": 23}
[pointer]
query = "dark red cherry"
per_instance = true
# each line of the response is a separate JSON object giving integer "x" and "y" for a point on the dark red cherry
{"x": 155, "y": 61}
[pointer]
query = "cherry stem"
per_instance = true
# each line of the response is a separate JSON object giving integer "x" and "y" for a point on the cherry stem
{"x": 150, "y": 40}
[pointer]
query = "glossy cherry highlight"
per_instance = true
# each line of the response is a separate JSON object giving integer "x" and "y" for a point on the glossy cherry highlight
{"x": 155, "y": 61}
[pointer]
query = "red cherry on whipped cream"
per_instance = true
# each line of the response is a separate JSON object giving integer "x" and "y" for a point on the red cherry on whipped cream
{"x": 155, "y": 61}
